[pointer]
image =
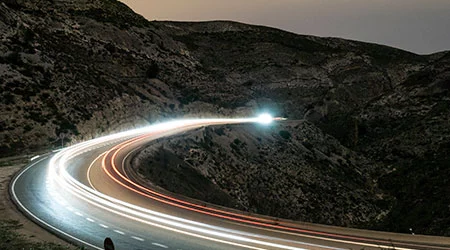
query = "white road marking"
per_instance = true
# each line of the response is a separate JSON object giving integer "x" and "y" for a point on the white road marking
{"x": 119, "y": 232}
{"x": 104, "y": 226}
{"x": 159, "y": 245}
{"x": 137, "y": 238}
{"x": 69, "y": 208}
{"x": 37, "y": 218}
{"x": 79, "y": 214}
{"x": 89, "y": 219}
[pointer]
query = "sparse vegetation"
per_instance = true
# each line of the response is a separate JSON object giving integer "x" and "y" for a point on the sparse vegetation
{"x": 169, "y": 171}
{"x": 189, "y": 96}
{"x": 285, "y": 134}
{"x": 153, "y": 70}
{"x": 10, "y": 239}
{"x": 114, "y": 12}
{"x": 27, "y": 128}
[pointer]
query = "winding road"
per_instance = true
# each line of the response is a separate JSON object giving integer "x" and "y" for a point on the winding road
{"x": 85, "y": 193}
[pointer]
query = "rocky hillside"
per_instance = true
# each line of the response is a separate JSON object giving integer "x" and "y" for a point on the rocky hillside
{"x": 288, "y": 170}
{"x": 75, "y": 69}
{"x": 389, "y": 105}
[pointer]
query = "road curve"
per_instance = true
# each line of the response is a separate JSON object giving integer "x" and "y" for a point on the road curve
{"x": 84, "y": 194}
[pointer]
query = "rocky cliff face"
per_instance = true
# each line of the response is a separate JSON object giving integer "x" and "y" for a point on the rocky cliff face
{"x": 77, "y": 69}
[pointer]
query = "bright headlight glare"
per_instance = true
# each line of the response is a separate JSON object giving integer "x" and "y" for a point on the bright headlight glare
{"x": 265, "y": 119}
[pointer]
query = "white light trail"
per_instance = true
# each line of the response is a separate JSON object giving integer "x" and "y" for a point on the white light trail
{"x": 59, "y": 175}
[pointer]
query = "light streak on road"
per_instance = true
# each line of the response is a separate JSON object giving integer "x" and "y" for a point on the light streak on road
{"x": 58, "y": 173}
{"x": 252, "y": 220}
{"x": 244, "y": 231}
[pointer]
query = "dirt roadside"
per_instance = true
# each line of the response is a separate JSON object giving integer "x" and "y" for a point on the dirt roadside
{"x": 31, "y": 231}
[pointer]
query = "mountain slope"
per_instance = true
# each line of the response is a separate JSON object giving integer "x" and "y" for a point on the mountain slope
{"x": 288, "y": 170}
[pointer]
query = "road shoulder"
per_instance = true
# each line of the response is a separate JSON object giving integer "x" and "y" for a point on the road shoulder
{"x": 28, "y": 229}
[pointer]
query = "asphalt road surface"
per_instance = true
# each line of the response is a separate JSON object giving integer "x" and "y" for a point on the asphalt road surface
{"x": 85, "y": 193}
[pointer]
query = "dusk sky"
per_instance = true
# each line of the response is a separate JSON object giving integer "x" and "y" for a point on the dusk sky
{"x": 420, "y": 26}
